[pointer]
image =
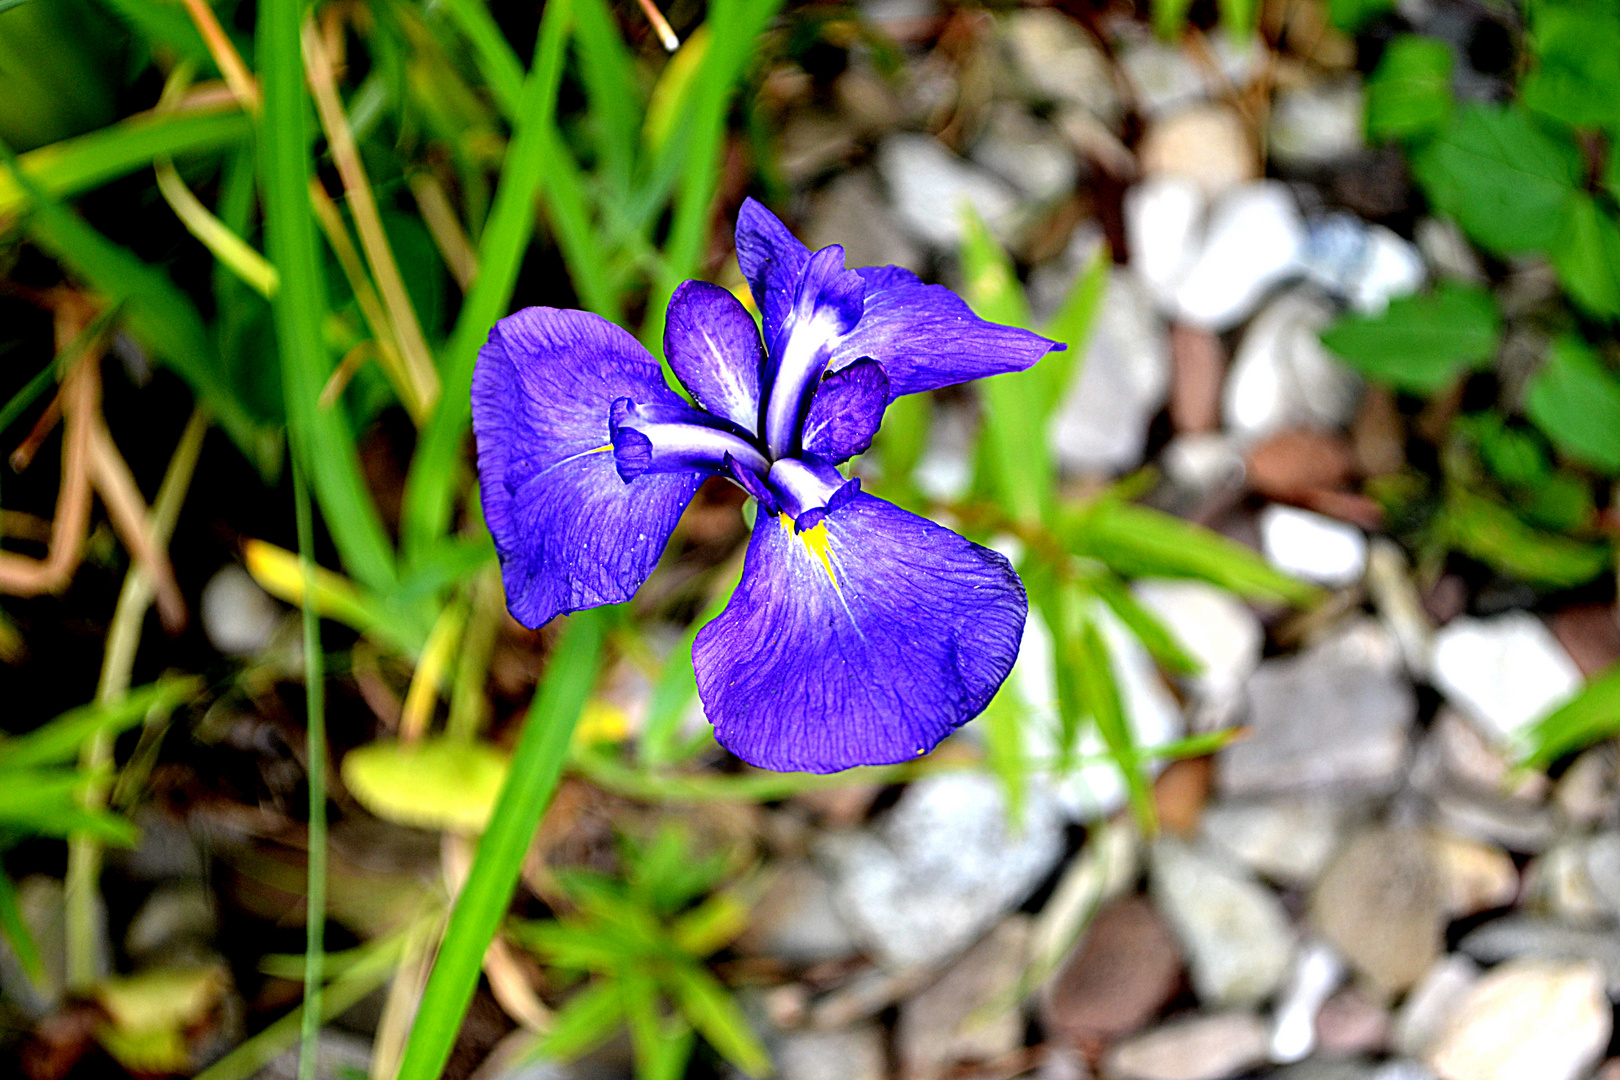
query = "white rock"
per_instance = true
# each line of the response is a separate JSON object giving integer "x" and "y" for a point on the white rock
{"x": 1527, "y": 1020}
{"x": 930, "y": 186}
{"x": 1255, "y": 240}
{"x": 1163, "y": 228}
{"x": 1204, "y": 461}
{"x": 1447, "y": 250}
{"x": 1220, "y": 631}
{"x": 1313, "y": 546}
{"x": 239, "y": 617}
{"x": 1367, "y": 265}
{"x": 1504, "y": 672}
{"x": 1097, "y": 789}
{"x": 1027, "y": 154}
{"x": 940, "y": 868}
{"x": 1288, "y": 840}
{"x": 1205, "y": 1047}
{"x": 1101, "y": 423}
{"x": 847, "y": 1054}
{"x": 1059, "y": 62}
{"x": 1206, "y": 144}
{"x": 1317, "y": 973}
{"x": 1282, "y": 377}
{"x": 1237, "y": 937}
{"x": 1429, "y": 1006}
{"x": 1316, "y": 124}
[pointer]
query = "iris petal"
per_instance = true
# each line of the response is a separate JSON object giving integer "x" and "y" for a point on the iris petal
{"x": 863, "y": 641}
{"x": 846, "y": 411}
{"x": 772, "y": 260}
{"x": 667, "y": 438}
{"x": 926, "y": 336}
{"x": 713, "y": 347}
{"x": 570, "y": 533}
{"x": 826, "y": 306}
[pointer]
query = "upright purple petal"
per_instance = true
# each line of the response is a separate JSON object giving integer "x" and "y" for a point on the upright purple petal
{"x": 863, "y": 641}
{"x": 846, "y": 411}
{"x": 772, "y": 260}
{"x": 926, "y": 336}
{"x": 826, "y": 305}
{"x": 570, "y": 533}
{"x": 713, "y": 347}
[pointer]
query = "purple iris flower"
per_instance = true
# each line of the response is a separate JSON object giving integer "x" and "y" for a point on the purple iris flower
{"x": 860, "y": 634}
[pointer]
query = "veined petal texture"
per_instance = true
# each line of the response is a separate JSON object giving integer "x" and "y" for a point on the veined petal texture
{"x": 862, "y": 641}
{"x": 570, "y": 533}
{"x": 926, "y": 336}
{"x": 846, "y": 411}
{"x": 713, "y": 347}
{"x": 772, "y": 260}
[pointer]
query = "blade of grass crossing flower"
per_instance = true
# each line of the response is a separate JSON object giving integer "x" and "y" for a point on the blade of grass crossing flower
{"x": 735, "y": 25}
{"x": 315, "y": 758}
{"x": 677, "y": 686}
{"x": 536, "y": 765}
{"x": 1102, "y": 699}
{"x": 1072, "y": 324}
{"x": 1020, "y": 464}
{"x": 430, "y": 487}
{"x": 322, "y": 436}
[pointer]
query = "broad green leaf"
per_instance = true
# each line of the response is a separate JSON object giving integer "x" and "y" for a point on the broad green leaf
{"x": 1587, "y": 255}
{"x": 1409, "y": 94}
{"x": 429, "y": 784}
{"x": 1493, "y": 534}
{"x": 1592, "y": 715}
{"x": 1421, "y": 343}
{"x": 717, "y": 1017}
{"x": 1575, "y": 400}
{"x": 1576, "y": 79}
{"x": 1502, "y": 177}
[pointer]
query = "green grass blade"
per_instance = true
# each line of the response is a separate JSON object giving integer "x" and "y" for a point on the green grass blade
{"x": 676, "y": 687}
{"x": 610, "y": 81}
{"x": 430, "y": 488}
{"x": 1100, "y": 691}
{"x": 322, "y": 436}
{"x": 1072, "y": 325}
{"x": 735, "y": 25}
{"x": 16, "y": 931}
{"x": 76, "y": 165}
{"x": 1591, "y": 715}
{"x": 718, "y": 1018}
{"x": 536, "y": 765}
{"x": 59, "y": 740}
{"x": 502, "y": 70}
{"x": 315, "y": 756}
{"x": 586, "y": 1022}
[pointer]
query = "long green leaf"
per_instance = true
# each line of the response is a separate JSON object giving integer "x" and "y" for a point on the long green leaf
{"x": 60, "y": 740}
{"x": 430, "y": 488}
{"x": 76, "y": 165}
{"x": 536, "y": 765}
{"x": 1591, "y": 715}
{"x": 321, "y": 436}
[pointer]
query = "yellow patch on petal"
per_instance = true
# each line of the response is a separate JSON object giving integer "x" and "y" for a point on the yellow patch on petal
{"x": 815, "y": 541}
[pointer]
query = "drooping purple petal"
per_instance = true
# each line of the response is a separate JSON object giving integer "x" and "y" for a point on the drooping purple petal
{"x": 570, "y": 533}
{"x": 772, "y": 260}
{"x": 926, "y": 336}
{"x": 713, "y": 347}
{"x": 864, "y": 641}
{"x": 826, "y": 306}
{"x": 803, "y": 484}
{"x": 667, "y": 438}
{"x": 846, "y": 411}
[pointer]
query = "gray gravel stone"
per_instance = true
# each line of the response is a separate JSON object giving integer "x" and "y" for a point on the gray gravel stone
{"x": 1514, "y": 937}
{"x": 940, "y": 868}
{"x": 1235, "y": 934}
{"x": 1210, "y": 1047}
